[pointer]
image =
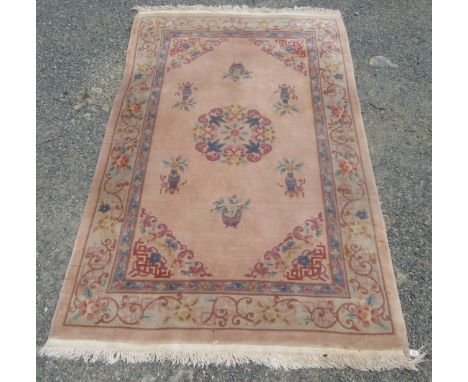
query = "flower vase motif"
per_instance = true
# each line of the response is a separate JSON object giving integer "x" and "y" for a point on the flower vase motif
{"x": 174, "y": 179}
{"x": 230, "y": 209}
{"x": 185, "y": 90}
{"x": 283, "y": 106}
{"x": 293, "y": 186}
{"x": 232, "y": 221}
{"x": 170, "y": 183}
{"x": 291, "y": 183}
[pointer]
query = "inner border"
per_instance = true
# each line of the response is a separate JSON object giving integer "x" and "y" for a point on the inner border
{"x": 339, "y": 286}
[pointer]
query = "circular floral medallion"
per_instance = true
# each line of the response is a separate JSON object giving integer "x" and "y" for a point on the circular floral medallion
{"x": 233, "y": 134}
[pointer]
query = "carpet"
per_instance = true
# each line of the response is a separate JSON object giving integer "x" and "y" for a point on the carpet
{"x": 233, "y": 216}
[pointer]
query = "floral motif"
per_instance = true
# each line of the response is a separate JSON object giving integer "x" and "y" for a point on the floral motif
{"x": 271, "y": 313}
{"x": 184, "y": 51}
{"x": 170, "y": 183}
{"x": 158, "y": 254}
{"x": 184, "y": 312}
{"x": 237, "y": 72}
{"x": 367, "y": 315}
{"x": 134, "y": 109}
{"x": 290, "y": 51}
{"x": 230, "y": 209}
{"x": 301, "y": 255}
{"x": 346, "y": 167}
{"x": 293, "y": 186}
{"x": 286, "y": 93}
{"x": 362, "y": 214}
{"x": 104, "y": 207}
{"x": 233, "y": 134}
{"x": 121, "y": 160}
{"x": 90, "y": 308}
{"x": 185, "y": 90}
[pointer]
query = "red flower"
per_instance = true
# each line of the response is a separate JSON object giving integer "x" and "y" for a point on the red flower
{"x": 148, "y": 221}
{"x": 262, "y": 270}
{"x": 336, "y": 111}
{"x": 218, "y": 285}
{"x": 253, "y": 113}
{"x": 121, "y": 161}
{"x": 134, "y": 108}
{"x": 216, "y": 111}
{"x": 90, "y": 308}
{"x": 347, "y": 167}
{"x": 367, "y": 315}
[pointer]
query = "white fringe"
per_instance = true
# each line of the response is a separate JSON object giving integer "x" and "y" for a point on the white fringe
{"x": 200, "y": 355}
{"x": 235, "y": 9}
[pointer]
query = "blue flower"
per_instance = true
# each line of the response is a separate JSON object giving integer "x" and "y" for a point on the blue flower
{"x": 288, "y": 245}
{"x": 104, "y": 207}
{"x": 284, "y": 288}
{"x": 215, "y": 146}
{"x": 303, "y": 260}
{"x": 339, "y": 76}
{"x": 236, "y": 285}
{"x": 154, "y": 258}
{"x": 216, "y": 119}
{"x": 335, "y": 243}
{"x": 362, "y": 214}
{"x": 252, "y": 147}
{"x": 172, "y": 244}
{"x": 138, "y": 76}
{"x": 253, "y": 121}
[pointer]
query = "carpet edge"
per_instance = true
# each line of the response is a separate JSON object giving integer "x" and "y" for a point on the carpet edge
{"x": 236, "y": 9}
{"x": 201, "y": 355}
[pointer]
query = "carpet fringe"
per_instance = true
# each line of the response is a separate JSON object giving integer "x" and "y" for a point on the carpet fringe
{"x": 201, "y": 355}
{"x": 237, "y": 9}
